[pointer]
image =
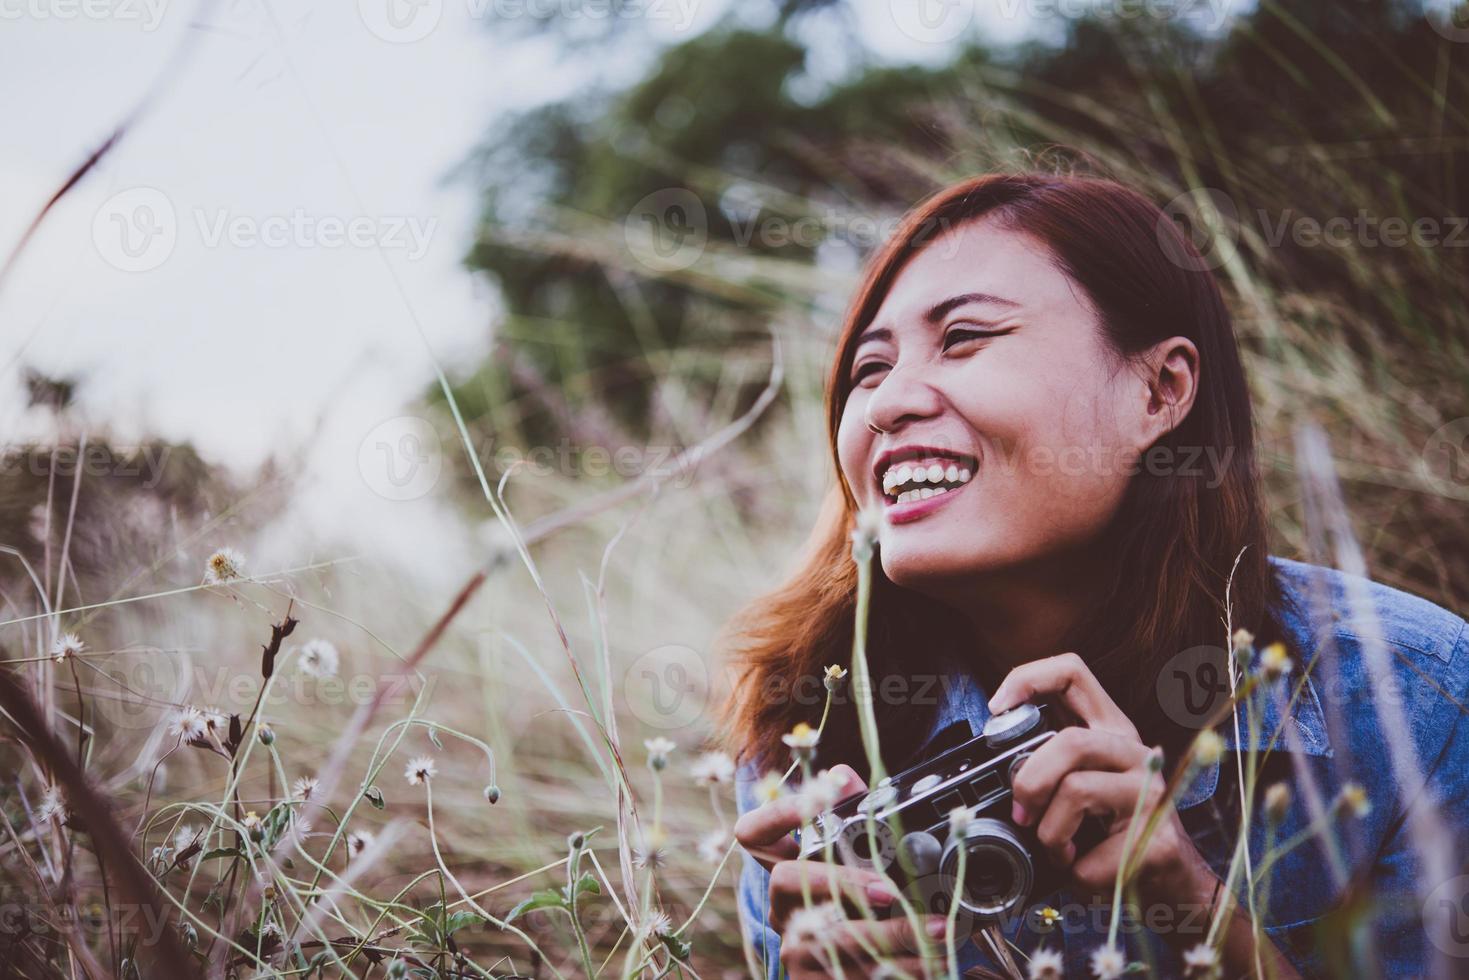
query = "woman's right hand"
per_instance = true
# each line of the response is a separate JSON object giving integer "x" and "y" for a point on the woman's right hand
{"x": 765, "y": 832}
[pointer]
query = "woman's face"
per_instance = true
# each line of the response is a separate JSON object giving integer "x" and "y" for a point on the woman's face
{"x": 1009, "y": 429}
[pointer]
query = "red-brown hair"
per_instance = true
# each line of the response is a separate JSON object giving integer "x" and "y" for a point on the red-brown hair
{"x": 1174, "y": 539}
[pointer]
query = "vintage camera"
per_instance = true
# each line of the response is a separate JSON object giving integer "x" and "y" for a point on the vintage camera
{"x": 901, "y": 826}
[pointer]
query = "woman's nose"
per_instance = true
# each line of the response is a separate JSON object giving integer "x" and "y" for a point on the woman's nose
{"x": 902, "y": 396}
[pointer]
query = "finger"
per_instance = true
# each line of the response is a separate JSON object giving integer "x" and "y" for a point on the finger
{"x": 1069, "y": 750}
{"x": 1069, "y": 678}
{"x": 1079, "y": 794}
{"x": 792, "y": 881}
{"x": 1096, "y": 870}
{"x": 864, "y": 941}
{"x": 815, "y": 962}
{"x": 765, "y": 831}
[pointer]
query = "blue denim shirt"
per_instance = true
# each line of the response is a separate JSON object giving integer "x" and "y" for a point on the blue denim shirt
{"x": 1325, "y": 726}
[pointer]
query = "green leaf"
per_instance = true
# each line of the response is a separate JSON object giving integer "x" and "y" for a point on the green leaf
{"x": 375, "y": 797}
{"x": 677, "y": 948}
{"x": 548, "y": 899}
{"x": 461, "y": 919}
{"x": 223, "y": 852}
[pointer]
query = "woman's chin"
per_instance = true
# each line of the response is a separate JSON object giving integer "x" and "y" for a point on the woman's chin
{"x": 926, "y": 569}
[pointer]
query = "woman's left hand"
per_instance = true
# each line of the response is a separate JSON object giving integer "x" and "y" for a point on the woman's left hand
{"x": 1100, "y": 769}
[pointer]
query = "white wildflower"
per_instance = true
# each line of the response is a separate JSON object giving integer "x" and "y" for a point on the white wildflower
{"x": 1277, "y": 801}
{"x": 834, "y": 678}
{"x": 819, "y": 793}
{"x": 658, "y": 923}
{"x": 1108, "y": 963}
{"x": 713, "y": 845}
{"x": 420, "y": 770}
{"x": 713, "y": 769}
{"x": 359, "y": 841}
{"x": 812, "y": 924}
{"x": 1046, "y": 918}
{"x": 1274, "y": 661}
{"x": 1045, "y": 964}
{"x": 303, "y": 787}
{"x": 253, "y": 826}
{"x": 184, "y": 838}
{"x": 658, "y": 749}
{"x": 188, "y": 722}
{"x": 225, "y": 565}
{"x": 802, "y": 741}
{"x": 651, "y": 854}
{"x": 319, "y": 659}
{"x": 67, "y": 646}
{"x": 1353, "y": 799}
{"x": 1208, "y": 747}
{"x": 769, "y": 788}
{"x": 1201, "y": 962}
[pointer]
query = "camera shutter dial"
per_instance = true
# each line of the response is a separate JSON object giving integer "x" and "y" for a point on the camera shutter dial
{"x": 864, "y": 845}
{"x": 883, "y": 796}
{"x": 1009, "y": 727}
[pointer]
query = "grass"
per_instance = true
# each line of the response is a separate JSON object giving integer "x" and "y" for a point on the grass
{"x": 543, "y": 677}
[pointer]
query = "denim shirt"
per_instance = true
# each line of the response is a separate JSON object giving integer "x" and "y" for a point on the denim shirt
{"x": 1324, "y": 725}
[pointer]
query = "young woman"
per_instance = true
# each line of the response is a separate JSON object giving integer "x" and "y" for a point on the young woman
{"x": 1038, "y": 394}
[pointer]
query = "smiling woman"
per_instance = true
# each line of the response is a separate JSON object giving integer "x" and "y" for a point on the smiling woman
{"x": 1038, "y": 399}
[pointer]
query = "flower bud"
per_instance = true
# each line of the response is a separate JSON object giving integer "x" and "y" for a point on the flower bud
{"x": 492, "y": 793}
{"x": 1277, "y": 801}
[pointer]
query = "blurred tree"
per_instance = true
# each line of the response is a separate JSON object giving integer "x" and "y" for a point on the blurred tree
{"x": 1297, "y": 118}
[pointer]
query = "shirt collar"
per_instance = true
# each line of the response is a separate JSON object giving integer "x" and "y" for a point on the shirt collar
{"x": 1305, "y": 733}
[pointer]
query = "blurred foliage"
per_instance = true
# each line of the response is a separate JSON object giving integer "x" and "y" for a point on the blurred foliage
{"x": 1295, "y": 111}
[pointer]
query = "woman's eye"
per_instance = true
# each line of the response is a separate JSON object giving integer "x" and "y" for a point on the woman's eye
{"x": 866, "y": 371}
{"x": 961, "y": 334}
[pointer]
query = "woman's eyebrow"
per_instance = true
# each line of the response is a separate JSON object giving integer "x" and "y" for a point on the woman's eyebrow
{"x": 941, "y": 310}
{"x": 936, "y": 313}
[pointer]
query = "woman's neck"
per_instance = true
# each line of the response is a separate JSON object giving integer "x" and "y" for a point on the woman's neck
{"x": 1024, "y": 613}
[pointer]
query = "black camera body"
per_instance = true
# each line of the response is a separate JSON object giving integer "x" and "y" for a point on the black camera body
{"x": 902, "y": 825}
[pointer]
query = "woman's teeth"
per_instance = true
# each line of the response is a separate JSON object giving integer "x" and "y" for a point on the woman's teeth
{"x": 909, "y": 481}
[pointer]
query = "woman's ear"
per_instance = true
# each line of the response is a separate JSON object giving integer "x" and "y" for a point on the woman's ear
{"x": 1171, "y": 373}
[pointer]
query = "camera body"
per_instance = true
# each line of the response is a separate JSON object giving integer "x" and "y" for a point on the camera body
{"x": 902, "y": 826}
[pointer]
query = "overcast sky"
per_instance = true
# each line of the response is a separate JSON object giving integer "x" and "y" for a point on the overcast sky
{"x": 258, "y": 255}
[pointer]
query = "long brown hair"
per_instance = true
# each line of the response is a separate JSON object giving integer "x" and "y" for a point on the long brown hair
{"x": 1174, "y": 540}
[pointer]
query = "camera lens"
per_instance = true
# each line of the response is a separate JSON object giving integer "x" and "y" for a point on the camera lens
{"x": 997, "y": 868}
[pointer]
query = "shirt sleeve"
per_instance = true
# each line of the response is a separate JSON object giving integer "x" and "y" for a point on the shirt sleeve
{"x": 1423, "y": 928}
{"x": 761, "y": 940}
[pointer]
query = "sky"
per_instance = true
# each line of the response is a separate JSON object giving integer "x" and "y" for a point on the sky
{"x": 271, "y": 258}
